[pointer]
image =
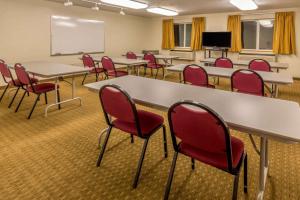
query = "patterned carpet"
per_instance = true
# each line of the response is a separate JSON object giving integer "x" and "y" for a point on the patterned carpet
{"x": 55, "y": 157}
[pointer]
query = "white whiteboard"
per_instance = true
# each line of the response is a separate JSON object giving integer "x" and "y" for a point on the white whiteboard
{"x": 73, "y": 35}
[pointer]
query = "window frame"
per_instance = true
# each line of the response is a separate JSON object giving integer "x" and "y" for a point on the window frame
{"x": 184, "y": 35}
{"x": 257, "y": 49}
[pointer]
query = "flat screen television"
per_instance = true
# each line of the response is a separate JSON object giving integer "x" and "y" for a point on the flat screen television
{"x": 216, "y": 39}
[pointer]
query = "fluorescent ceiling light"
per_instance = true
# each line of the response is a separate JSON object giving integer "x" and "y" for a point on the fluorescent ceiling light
{"x": 68, "y": 3}
{"x": 162, "y": 11}
{"x": 126, "y": 3}
{"x": 244, "y": 4}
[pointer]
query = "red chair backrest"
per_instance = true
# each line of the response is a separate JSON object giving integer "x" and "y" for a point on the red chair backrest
{"x": 151, "y": 58}
{"x": 223, "y": 62}
{"x": 200, "y": 127}
{"x": 88, "y": 61}
{"x": 260, "y": 65}
{"x": 107, "y": 64}
{"x": 118, "y": 104}
{"x": 247, "y": 81}
{"x": 131, "y": 55}
{"x": 22, "y": 75}
{"x": 195, "y": 75}
{"x": 4, "y": 70}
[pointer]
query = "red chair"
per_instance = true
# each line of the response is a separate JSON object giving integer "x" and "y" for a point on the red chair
{"x": 260, "y": 65}
{"x": 196, "y": 75}
{"x": 10, "y": 81}
{"x": 117, "y": 104}
{"x": 31, "y": 87}
{"x": 89, "y": 62}
{"x": 224, "y": 63}
{"x": 205, "y": 136}
{"x": 131, "y": 55}
{"x": 247, "y": 81}
{"x": 109, "y": 68}
{"x": 152, "y": 64}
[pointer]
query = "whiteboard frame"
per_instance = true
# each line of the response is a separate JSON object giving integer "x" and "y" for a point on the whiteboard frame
{"x": 72, "y": 54}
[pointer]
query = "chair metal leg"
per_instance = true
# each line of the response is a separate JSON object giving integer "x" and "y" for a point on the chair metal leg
{"x": 46, "y": 99}
{"x": 58, "y": 99}
{"x": 84, "y": 79}
{"x": 156, "y": 73}
{"x": 4, "y": 92}
{"x": 138, "y": 171}
{"x": 97, "y": 76}
{"x": 132, "y": 139}
{"x": 235, "y": 187}
{"x": 246, "y": 174}
{"x": 171, "y": 174}
{"x": 165, "y": 141}
{"x": 145, "y": 70}
{"x": 151, "y": 71}
{"x": 25, "y": 92}
{"x": 103, "y": 147}
{"x": 33, "y": 107}
{"x": 193, "y": 163}
{"x": 13, "y": 99}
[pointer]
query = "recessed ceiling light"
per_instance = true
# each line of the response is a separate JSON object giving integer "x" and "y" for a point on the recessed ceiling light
{"x": 244, "y": 4}
{"x": 126, "y": 3}
{"x": 162, "y": 11}
{"x": 68, "y": 3}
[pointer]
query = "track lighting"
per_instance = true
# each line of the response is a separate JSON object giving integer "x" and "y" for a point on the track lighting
{"x": 122, "y": 12}
{"x": 68, "y": 3}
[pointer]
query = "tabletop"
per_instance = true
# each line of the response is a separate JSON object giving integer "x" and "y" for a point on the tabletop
{"x": 246, "y": 63}
{"x": 271, "y": 117}
{"x": 49, "y": 69}
{"x": 269, "y": 77}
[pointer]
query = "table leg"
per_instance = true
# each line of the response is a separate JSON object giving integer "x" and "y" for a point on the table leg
{"x": 263, "y": 169}
{"x": 68, "y": 100}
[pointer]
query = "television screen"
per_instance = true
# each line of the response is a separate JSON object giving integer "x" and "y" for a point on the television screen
{"x": 216, "y": 39}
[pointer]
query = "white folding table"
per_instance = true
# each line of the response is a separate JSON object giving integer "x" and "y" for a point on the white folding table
{"x": 268, "y": 118}
{"x": 167, "y": 59}
{"x": 56, "y": 71}
{"x": 268, "y": 77}
{"x": 275, "y": 65}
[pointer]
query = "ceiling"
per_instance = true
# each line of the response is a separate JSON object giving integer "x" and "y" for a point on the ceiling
{"x": 186, "y": 7}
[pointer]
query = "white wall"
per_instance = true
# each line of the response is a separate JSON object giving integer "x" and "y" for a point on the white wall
{"x": 218, "y": 22}
{"x": 25, "y": 30}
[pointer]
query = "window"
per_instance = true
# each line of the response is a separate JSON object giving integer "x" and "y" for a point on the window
{"x": 182, "y": 33}
{"x": 258, "y": 34}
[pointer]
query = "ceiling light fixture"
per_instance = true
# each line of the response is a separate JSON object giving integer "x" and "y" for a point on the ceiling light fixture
{"x": 122, "y": 12}
{"x": 68, "y": 3}
{"x": 96, "y": 7}
{"x": 244, "y": 4}
{"x": 162, "y": 11}
{"x": 126, "y": 3}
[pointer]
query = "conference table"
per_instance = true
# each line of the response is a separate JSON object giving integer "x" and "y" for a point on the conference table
{"x": 275, "y": 65}
{"x": 167, "y": 59}
{"x": 268, "y": 77}
{"x": 130, "y": 64}
{"x": 267, "y": 118}
{"x": 49, "y": 70}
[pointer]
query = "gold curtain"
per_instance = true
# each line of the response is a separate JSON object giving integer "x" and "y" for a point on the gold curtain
{"x": 284, "y": 33}
{"x": 234, "y": 26}
{"x": 168, "y": 41}
{"x": 198, "y": 27}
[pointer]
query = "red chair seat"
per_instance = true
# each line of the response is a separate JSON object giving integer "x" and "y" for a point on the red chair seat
{"x": 97, "y": 70}
{"x": 117, "y": 73}
{"x": 148, "y": 123}
{"x": 42, "y": 88}
{"x": 218, "y": 160}
{"x": 155, "y": 66}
